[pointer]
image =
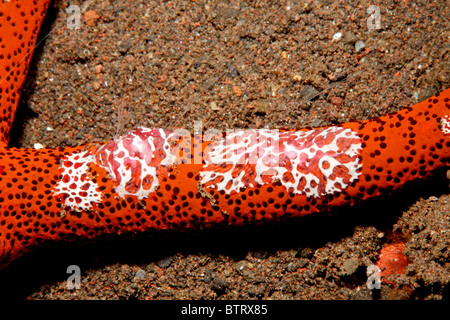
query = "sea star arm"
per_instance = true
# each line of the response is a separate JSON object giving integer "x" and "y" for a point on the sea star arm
{"x": 20, "y": 22}
{"x": 155, "y": 179}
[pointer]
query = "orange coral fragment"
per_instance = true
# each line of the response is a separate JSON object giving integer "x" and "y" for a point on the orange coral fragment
{"x": 392, "y": 259}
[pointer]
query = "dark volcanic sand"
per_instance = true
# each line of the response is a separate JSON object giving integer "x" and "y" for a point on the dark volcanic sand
{"x": 240, "y": 65}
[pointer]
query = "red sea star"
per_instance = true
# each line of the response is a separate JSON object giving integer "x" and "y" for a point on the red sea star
{"x": 154, "y": 179}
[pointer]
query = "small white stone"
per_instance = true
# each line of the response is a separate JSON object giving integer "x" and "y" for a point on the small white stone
{"x": 337, "y": 36}
{"x": 38, "y": 146}
{"x": 359, "y": 45}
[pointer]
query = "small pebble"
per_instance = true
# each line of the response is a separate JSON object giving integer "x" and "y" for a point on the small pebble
{"x": 123, "y": 46}
{"x": 91, "y": 17}
{"x": 302, "y": 262}
{"x": 261, "y": 106}
{"x": 237, "y": 91}
{"x": 427, "y": 92}
{"x": 350, "y": 38}
{"x": 359, "y": 45}
{"x": 98, "y": 68}
{"x": 261, "y": 254}
{"x": 255, "y": 290}
{"x": 305, "y": 253}
{"x": 208, "y": 275}
{"x": 337, "y": 36}
{"x": 316, "y": 122}
{"x": 337, "y": 101}
{"x": 291, "y": 267}
{"x": 140, "y": 274}
{"x": 38, "y": 146}
{"x": 214, "y": 106}
{"x": 219, "y": 284}
{"x": 233, "y": 73}
{"x": 382, "y": 45}
{"x": 349, "y": 266}
{"x": 241, "y": 265}
{"x": 165, "y": 262}
{"x": 337, "y": 76}
{"x": 309, "y": 93}
{"x": 296, "y": 78}
{"x": 96, "y": 85}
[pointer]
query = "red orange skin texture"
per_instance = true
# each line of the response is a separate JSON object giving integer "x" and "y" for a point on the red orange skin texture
{"x": 20, "y": 22}
{"x": 396, "y": 149}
